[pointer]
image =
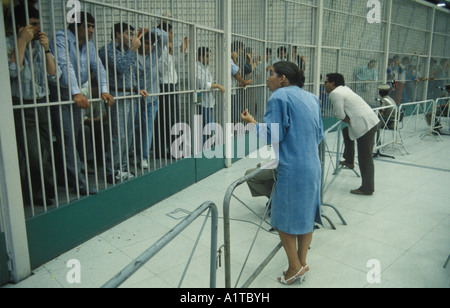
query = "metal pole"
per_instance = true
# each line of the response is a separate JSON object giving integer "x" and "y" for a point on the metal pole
{"x": 11, "y": 193}
{"x": 387, "y": 40}
{"x": 318, "y": 59}
{"x": 227, "y": 11}
{"x": 430, "y": 50}
{"x": 226, "y": 218}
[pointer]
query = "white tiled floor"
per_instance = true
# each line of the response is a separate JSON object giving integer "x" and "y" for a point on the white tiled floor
{"x": 405, "y": 226}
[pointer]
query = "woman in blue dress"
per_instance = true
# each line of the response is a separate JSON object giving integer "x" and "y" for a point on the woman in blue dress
{"x": 293, "y": 125}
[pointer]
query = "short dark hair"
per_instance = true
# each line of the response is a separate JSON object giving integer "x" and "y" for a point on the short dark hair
{"x": 202, "y": 51}
{"x": 21, "y": 16}
{"x": 291, "y": 71}
{"x": 150, "y": 37}
{"x": 383, "y": 92}
{"x": 90, "y": 19}
{"x": 121, "y": 29}
{"x": 280, "y": 49}
{"x": 165, "y": 26}
{"x": 236, "y": 45}
{"x": 337, "y": 79}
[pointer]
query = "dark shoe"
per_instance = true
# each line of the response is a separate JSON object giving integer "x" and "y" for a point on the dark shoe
{"x": 360, "y": 192}
{"x": 348, "y": 165}
{"x": 84, "y": 191}
{"x": 40, "y": 202}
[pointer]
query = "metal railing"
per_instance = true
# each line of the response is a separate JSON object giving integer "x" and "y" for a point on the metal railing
{"x": 134, "y": 266}
{"x": 226, "y": 223}
{"x": 324, "y": 148}
{"x": 414, "y": 122}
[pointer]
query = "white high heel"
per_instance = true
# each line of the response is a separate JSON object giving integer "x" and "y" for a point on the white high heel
{"x": 293, "y": 279}
{"x": 306, "y": 272}
{"x": 303, "y": 277}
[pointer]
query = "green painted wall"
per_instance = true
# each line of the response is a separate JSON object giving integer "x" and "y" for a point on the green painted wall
{"x": 59, "y": 230}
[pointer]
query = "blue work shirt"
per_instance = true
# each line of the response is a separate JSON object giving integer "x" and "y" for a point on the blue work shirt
{"x": 71, "y": 69}
{"x": 148, "y": 65}
{"x": 124, "y": 63}
{"x": 33, "y": 85}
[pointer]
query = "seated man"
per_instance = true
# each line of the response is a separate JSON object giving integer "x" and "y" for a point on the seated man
{"x": 441, "y": 111}
{"x": 262, "y": 183}
{"x": 388, "y": 115}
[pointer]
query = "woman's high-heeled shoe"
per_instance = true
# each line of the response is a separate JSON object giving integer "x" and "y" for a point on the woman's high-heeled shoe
{"x": 303, "y": 277}
{"x": 306, "y": 272}
{"x": 293, "y": 279}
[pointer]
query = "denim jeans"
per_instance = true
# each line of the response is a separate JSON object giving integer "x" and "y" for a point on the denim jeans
{"x": 122, "y": 133}
{"x": 144, "y": 126}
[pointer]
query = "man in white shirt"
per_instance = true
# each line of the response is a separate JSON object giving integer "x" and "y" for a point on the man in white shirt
{"x": 171, "y": 58}
{"x": 362, "y": 124}
{"x": 206, "y": 82}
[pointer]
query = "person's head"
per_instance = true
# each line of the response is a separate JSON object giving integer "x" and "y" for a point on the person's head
{"x": 123, "y": 32}
{"x": 383, "y": 90}
{"x": 268, "y": 54}
{"x": 283, "y": 74}
{"x": 148, "y": 43}
{"x": 86, "y": 23}
{"x": 281, "y": 52}
{"x": 168, "y": 28}
{"x": 371, "y": 64}
{"x": 333, "y": 81}
{"x": 20, "y": 16}
{"x": 203, "y": 55}
{"x": 447, "y": 87}
{"x": 238, "y": 47}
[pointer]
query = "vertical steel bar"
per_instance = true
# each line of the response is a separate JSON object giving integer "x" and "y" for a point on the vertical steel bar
{"x": 11, "y": 194}
{"x": 227, "y": 21}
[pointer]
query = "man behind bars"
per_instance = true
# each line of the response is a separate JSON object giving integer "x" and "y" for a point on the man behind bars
{"x": 120, "y": 56}
{"x": 75, "y": 72}
{"x": 28, "y": 72}
{"x": 149, "y": 57}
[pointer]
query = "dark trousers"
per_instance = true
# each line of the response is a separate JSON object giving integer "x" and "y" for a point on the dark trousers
{"x": 67, "y": 121}
{"x": 365, "y": 157}
{"x": 33, "y": 142}
{"x": 168, "y": 116}
{"x": 262, "y": 183}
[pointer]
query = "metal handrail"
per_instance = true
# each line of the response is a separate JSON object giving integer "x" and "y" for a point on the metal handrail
{"x": 417, "y": 109}
{"x": 136, "y": 264}
{"x": 226, "y": 223}
{"x": 323, "y": 148}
